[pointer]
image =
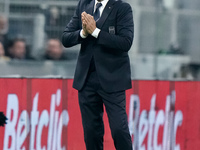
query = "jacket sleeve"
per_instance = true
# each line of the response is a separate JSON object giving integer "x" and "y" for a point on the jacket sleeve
{"x": 123, "y": 38}
{"x": 71, "y": 34}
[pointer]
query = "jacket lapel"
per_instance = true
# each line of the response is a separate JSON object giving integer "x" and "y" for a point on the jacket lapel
{"x": 105, "y": 13}
{"x": 90, "y": 7}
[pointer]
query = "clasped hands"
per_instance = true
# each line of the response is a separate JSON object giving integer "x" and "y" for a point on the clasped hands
{"x": 88, "y": 23}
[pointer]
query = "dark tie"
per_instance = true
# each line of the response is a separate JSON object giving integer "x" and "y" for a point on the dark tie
{"x": 97, "y": 12}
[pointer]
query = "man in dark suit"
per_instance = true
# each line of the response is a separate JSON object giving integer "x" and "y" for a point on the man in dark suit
{"x": 105, "y": 30}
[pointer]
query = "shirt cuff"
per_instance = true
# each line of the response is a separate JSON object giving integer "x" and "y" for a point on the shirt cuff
{"x": 96, "y": 32}
{"x": 81, "y": 34}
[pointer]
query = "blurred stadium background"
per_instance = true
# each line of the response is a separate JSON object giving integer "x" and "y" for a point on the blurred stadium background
{"x": 166, "y": 44}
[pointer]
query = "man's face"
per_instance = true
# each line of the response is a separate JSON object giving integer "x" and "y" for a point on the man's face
{"x": 54, "y": 49}
{"x": 19, "y": 50}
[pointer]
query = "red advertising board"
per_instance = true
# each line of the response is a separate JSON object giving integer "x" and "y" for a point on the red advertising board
{"x": 43, "y": 114}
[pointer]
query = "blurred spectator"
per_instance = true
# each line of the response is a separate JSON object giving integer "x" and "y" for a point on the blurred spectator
{"x": 3, "y": 32}
{"x": 53, "y": 21}
{"x": 54, "y": 50}
{"x": 175, "y": 49}
{"x": 2, "y": 53}
{"x": 18, "y": 50}
{"x": 55, "y": 18}
{"x": 187, "y": 72}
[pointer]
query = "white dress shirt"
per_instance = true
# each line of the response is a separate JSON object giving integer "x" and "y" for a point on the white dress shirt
{"x": 97, "y": 30}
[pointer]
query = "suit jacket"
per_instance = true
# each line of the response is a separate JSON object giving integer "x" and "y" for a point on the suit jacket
{"x": 109, "y": 50}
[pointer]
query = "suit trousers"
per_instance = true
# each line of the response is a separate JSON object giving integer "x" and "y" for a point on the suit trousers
{"x": 91, "y": 100}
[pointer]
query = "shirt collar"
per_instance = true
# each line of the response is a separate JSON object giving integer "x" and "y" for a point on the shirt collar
{"x": 104, "y": 2}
